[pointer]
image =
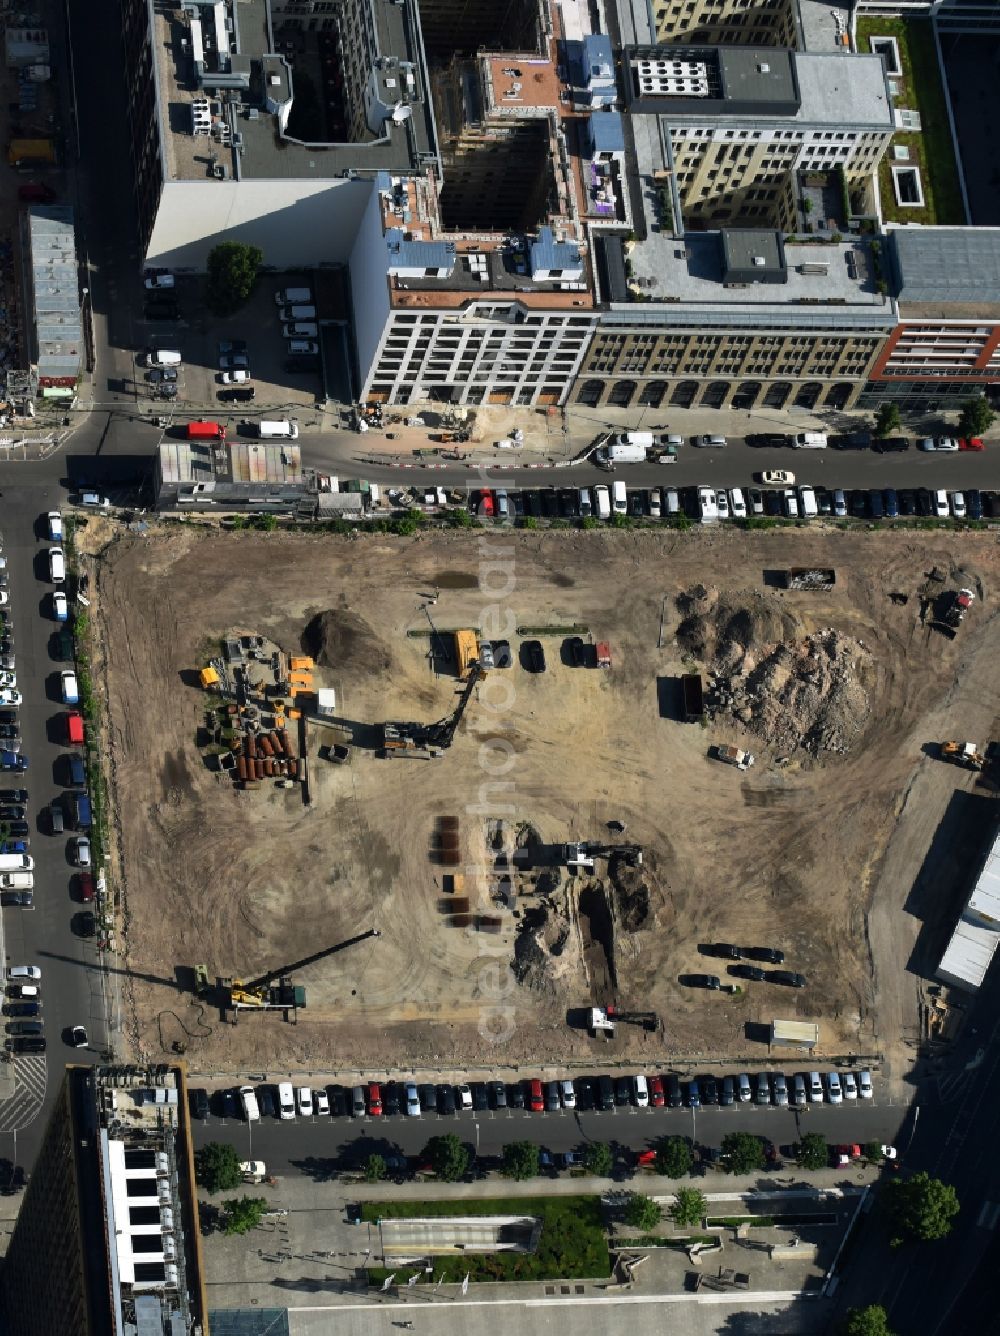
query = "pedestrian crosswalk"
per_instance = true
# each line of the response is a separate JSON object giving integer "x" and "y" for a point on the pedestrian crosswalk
{"x": 30, "y": 1079}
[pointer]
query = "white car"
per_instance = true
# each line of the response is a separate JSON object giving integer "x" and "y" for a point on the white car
{"x": 937, "y": 443}
{"x": 157, "y": 279}
{"x": 286, "y": 1100}
{"x": 24, "y": 972}
{"x": 815, "y": 1088}
{"x": 722, "y": 504}
{"x": 80, "y": 850}
{"x": 834, "y": 1091}
{"x": 464, "y": 1097}
{"x": 412, "y": 1100}
{"x": 60, "y": 607}
{"x": 941, "y": 509}
{"x": 234, "y": 377}
{"x": 737, "y": 505}
{"x": 791, "y": 504}
{"x": 778, "y": 478}
{"x": 568, "y": 1094}
{"x": 304, "y": 1101}
{"x": 8, "y": 678}
{"x": 655, "y": 510}
{"x": 712, "y": 442}
{"x": 8, "y": 696}
{"x": 865, "y": 1084}
{"x": 4, "y": 598}
{"x": 958, "y": 505}
{"x": 707, "y": 509}
{"x": 850, "y": 1085}
{"x": 54, "y": 520}
{"x": 322, "y": 1102}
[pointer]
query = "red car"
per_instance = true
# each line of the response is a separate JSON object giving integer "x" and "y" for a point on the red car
{"x": 484, "y": 504}
{"x": 644, "y": 1159}
{"x": 85, "y": 885}
{"x": 374, "y": 1100}
{"x": 656, "y": 1095}
{"x": 535, "y": 1101}
{"x": 971, "y": 443}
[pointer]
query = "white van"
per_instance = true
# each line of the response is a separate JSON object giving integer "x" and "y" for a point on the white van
{"x": 619, "y": 498}
{"x": 807, "y": 503}
{"x": 303, "y": 348}
{"x": 602, "y": 502}
{"x": 708, "y": 507}
{"x": 16, "y": 862}
{"x": 298, "y": 313}
{"x": 249, "y": 1101}
{"x": 301, "y": 330}
{"x": 286, "y": 1100}
{"x": 289, "y": 296}
{"x": 287, "y": 429}
{"x": 163, "y": 357}
{"x": 57, "y": 565}
{"x": 737, "y": 503}
{"x": 641, "y": 1092}
{"x": 17, "y": 881}
{"x": 809, "y": 440}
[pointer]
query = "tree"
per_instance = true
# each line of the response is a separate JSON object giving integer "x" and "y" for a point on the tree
{"x": 743, "y": 1153}
{"x": 870, "y": 1321}
{"x": 217, "y": 1167}
{"x": 873, "y": 1152}
{"x": 232, "y": 273}
{"x": 674, "y": 1157}
{"x": 813, "y": 1152}
{"x": 375, "y": 1169}
{"x": 689, "y": 1207}
{"x": 520, "y": 1160}
{"x": 642, "y": 1212}
{"x": 887, "y": 419}
{"x": 920, "y": 1207}
{"x": 977, "y": 417}
{"x": 449, "y": 1158}
{"x": 243, "y": 1214}
{"x": 598, "y": 1159}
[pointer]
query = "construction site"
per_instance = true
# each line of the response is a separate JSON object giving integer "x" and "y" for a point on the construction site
{"x": 487, "y": 819}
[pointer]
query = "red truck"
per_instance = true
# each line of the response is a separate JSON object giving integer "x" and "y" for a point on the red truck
{"x": 206, "y": 431}
{"x": 74, "y": 726}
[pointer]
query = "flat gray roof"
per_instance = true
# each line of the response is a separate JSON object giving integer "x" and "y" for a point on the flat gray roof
{"x": 946, "y": 265}
{"x": 843, "y": 89}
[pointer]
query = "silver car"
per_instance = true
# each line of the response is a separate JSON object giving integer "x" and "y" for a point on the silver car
{"x": 412, "y": 1100}
{"x": 763, "y": 1088}
{"x": 780, "y": 1086}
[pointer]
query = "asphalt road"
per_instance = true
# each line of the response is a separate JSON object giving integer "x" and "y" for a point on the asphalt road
{"x": 307, "y": 1144}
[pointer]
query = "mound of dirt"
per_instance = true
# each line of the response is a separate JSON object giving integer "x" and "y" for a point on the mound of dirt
{"x": 342, "y": 639}
{"x": 531, "y": 966}
{"x": 791, "y": 689}
{"x": 632, "y": 896}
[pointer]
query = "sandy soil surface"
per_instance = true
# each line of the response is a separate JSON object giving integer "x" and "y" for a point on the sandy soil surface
{"x": 791, "y": 853}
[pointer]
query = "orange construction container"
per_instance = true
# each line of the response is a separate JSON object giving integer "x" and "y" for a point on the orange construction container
{"x": 264, "y": 743}
{"x": 302, "y": 662}
{"x": 277, "y": 742}
{"x": 241, "y": 767}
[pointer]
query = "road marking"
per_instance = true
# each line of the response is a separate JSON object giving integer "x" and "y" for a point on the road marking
{"x": 23, "y": 1107}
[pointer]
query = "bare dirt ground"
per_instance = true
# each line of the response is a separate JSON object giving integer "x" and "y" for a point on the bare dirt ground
{"x": 788, "y": 854}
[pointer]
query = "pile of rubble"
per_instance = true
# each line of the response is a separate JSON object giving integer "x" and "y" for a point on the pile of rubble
{"x": 790, "y": 688}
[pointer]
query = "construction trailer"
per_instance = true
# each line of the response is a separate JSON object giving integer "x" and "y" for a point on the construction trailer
{"x": 795, "y": 1034}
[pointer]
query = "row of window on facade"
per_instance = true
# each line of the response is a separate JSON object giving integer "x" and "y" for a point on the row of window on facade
{"x": 714, "y": 394}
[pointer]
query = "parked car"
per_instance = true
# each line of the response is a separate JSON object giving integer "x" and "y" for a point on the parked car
{"x": 710, "y": 981}
{"x": 727, "y": 1092}
{"x": 957, "y": 509}
{"x": 675, "y": 1096}
{"x": 865, "y": 1084}
{"x": 791, "y": 504}
{"x": 800, "y": 1095}
{"x": 763, "y": 1091}
{"x": 711, "y": 442}
{"x": 411, "y": 1100}
{"x": 780, "y": 1089}
{"x": 834, "y": 1090}
{"x": 752, "y": 972}
{"x": 788, "y": 978}
{"x": 709, "y": 1089}
{"x": 375, "y": 1108}
{"x": 777, "y": 478}
{"x": 692, "y": 1094}
{"x": 850, "y": 1085}
{"x": 304, "y": 1101}
{"x": 657, "y": 1097}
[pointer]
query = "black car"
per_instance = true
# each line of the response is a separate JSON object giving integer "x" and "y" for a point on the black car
{"x": 230, "y": 1104}
{"x": 534, "y": 656}
{"x": 199, "y": 1104}
{"x": 824, "y": 501}
{"x": 991, "y": 505}
{"x": 605, "y": 1093}
{"x": 974, "y": 504}
{"x": 22, "y": 1008}
{"x": 338, "y": 1101}
{"x": 550, "y": 504}
{"x": 445, "y": 1099}
{"x": 752, "y": 972}
{"x": 237, "y": 394}
{"x": 18, "y": 829}
{"x": 498, "y": 1094}
{"x": 586, "y": 1093}
{"x": 623, "y": 1090}
{"x": 672, "y": 1087}
{"x": 788, "y": 978}
{"x": 534, "y": 504}
{"x": 17, "y": 899}
{"x": 755, "y": 501}
{"x": 428, "y": 1098}
{"x": 710, "y": 981}
{"x": 692, "y": 1095}
{"x": 10, "y": 732}
{"x": 709, "y": 1089}
{"x": 576, "y": 651}
{"x": 502, "y": 657}
{"x": 887, "y": 445}
{"x": 515, "y": 1095}
{"x": 266, "y": 1102}
{"x": 480, "y": 1099}
{"x": 569, "y": 503}
{"x": 634, "y": 503}
{"x": 890, "y": 498}
{"x": 770, "y": 440}
{"x": 727, "y": 1092}
{"x": 13, "y": 795}
{"x": 517, "y": 504}
{"x": 9, "y": 813}
{"x": 85, "y": 924}
{"x": 24, "y": 1027}
{"x": 859, "y": 505}
{"x": 907, "y": 501}
{"x": 770, "y": 954}
{"x": 725, "y": 950}
{"x": 30, "y": 1044}
{"x": 773, "y": 502}
{"x": 925, "y": 502}
{"x": 876, "y": 504}
{"x": 390, "y": 1099}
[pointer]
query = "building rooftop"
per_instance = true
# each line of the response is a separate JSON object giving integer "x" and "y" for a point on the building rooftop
{"x": 191, "y": 462}
{"x": 244, "y": 97}
{"x": 711, "y": 81}
{"x": 939, "y": 270}
{"x": 851, "y": 91}
{"x": 58, "y": 329}
{"x": 974, "y": 942}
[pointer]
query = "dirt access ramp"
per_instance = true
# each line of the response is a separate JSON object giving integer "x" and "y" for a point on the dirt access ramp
{"x": 788, "y": 853}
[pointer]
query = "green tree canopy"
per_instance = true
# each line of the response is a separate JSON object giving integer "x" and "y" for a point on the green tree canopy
{"x": 872, "y": 1151}
{"x": 921, "y": 1207}
{"x": 232, "y": 273}
{"x": 887, "y": 419}
{"x": 977, "y": 417}
{"x": 375, "y": 1168}
{"x": 689, "y": 1207}
{"x": 674, "y": 1157}
{"x": 870, "y": 1321}
{"x": 243, "y": 1214}
{"x": 743, "y": 1153}
{"x": 520, "y": 1160}
{"x": 598, "y": 1159}
{"x": 449, "y": 1158}
{"x": 642, "y": 1212}
{"x": 217, "y": 1167}
{"x": 813, "y": 1152}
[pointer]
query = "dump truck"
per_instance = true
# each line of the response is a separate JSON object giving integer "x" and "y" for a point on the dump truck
{"x": 961, "y": 603}
{"x": 466, "y": 651}
{"x": 965, "y": 754}
{"x": 694, "y": 697}
{"x": 742, "y": 760}
{"x": 810, "y": 577}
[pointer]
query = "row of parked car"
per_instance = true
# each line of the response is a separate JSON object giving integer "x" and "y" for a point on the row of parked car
{"x": 600, "y": 1093}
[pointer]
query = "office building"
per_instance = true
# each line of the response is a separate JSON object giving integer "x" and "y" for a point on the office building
{"x": 106, "y": 1241}
{"x": 727, "y": 22}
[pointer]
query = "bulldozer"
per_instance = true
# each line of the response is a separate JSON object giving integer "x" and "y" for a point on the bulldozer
{"x": 965, "y": 754}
